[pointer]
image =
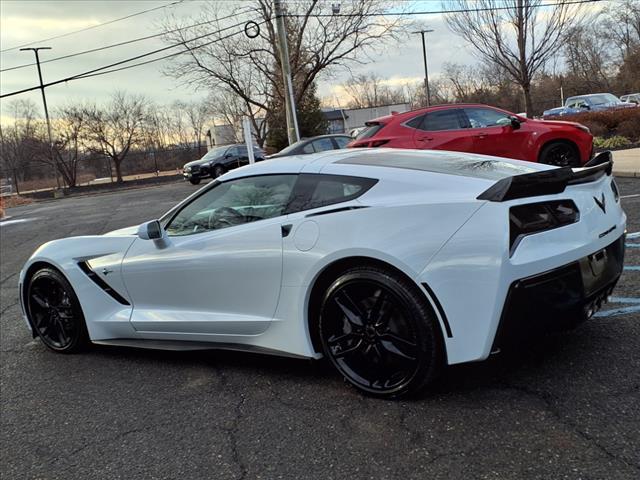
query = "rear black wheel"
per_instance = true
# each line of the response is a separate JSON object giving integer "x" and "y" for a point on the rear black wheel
{"x": 560, "y": 154}
{"x": 54, "y": 312}
{"x": 380, "y": 333}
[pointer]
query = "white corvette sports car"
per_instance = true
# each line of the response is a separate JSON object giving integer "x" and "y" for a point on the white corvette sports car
{"x": 392, "y": 263}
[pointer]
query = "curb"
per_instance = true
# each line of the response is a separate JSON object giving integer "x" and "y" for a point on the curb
{"x": 626, "y": 174}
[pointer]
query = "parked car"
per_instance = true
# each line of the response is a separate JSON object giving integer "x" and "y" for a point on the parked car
{"x": 481, "y": 129}
{"x": 317, "y": 144}
{"x": 219, "y": 160}
{"x": 390, "y": 263}
{"x": 595, "y": 102}
{"x": 631, "y": 98}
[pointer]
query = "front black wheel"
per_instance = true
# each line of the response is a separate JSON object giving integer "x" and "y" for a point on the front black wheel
{"x": 54, "y": 312}
{"x": 560, "y": 154}
{"x": 194, "y": 181}
{"x": 218, "y": 171}
{"x": 380, "y": 333}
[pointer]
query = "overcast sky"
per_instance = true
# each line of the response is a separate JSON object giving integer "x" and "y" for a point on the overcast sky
{"x": 29, "y": 21}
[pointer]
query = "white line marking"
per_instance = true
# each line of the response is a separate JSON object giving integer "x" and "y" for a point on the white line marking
{"x": 631, "y": 196}
{"x": 17, "y": 220}
{"x": 633, "y": 235}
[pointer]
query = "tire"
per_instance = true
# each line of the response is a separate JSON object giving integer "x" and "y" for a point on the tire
{"x": 560, "y": 154}
{"x": 194, "y": 181}
{"x": 380, "y": 333}
{"x": 54, "y": 312}
{"x": 218, "y": 170}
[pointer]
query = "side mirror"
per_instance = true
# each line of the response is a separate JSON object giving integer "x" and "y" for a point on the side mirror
{"x": 151, "y": 230}
{"x": 515, "y": 123}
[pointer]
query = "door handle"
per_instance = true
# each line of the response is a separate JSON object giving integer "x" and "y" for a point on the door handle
{"x": 286, "y": 230}
{"x": 481, "y": 135}
{"x": 425, "y": 139}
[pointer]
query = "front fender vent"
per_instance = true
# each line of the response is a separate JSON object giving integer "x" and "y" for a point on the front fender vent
{"x": 84, "y": 266}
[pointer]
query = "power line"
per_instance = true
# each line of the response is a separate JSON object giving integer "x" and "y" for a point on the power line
{"x": 127, "y": 42}
{"x": 433, "y": 12}
{"x": 93, "y": 26}
{"x": 103, "y": 70}
{"x": 95, "y": 71}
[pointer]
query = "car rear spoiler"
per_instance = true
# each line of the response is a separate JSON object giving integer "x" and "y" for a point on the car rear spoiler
{"x": 548, "y": 182}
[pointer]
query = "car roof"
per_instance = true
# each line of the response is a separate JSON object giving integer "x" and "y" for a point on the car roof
{"x": 380, "y": 162}
{"x": 410, "y": 113}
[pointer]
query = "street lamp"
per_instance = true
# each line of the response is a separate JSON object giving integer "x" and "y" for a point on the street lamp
{"x": 424, "y": 56}
{"x": 44, "y": 101}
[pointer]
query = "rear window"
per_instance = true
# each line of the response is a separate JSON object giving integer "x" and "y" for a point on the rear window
{"x": 319, "y": 190}
{"x": 370, "y": 130}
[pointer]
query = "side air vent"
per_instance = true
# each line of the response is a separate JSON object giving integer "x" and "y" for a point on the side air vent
{"x": 84, "y": 266}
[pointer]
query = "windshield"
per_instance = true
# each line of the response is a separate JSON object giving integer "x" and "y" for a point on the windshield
{"x": 603, "y": 99}
{"x": 215, "y": 152}
{"x": 370, "y": 130}
{"x": 292, "y": 147}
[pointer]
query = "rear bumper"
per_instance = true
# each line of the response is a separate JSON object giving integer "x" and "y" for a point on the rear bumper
{"x": 559, "y": 298}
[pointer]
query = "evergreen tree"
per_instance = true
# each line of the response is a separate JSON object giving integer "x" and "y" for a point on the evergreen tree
{"x": 311, "y": 121}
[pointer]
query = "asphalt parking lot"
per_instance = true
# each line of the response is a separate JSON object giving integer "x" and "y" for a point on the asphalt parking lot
{"x": 567, "y": 407}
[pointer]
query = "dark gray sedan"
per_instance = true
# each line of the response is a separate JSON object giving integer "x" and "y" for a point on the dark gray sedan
{"x": 317, "y": 144}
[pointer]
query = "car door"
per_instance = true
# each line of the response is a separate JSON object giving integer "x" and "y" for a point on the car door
{"x": 232, "y": 158}
{"x": 442, "y": 130}
{"x": 493, "y": 134}
{"x": 220, "y": 273}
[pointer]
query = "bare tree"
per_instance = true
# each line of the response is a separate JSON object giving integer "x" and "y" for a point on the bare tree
{"x": 371, "y": 90}
{"x": 69, "y": 142}
{"x": 621, "y": 26}
{"x": 116, "y": 128}
{"x": 22, "y": 141}
{"x": 197, "y": 114}
{"x": 519, "y": 36}
{"x": 233, "y": 64}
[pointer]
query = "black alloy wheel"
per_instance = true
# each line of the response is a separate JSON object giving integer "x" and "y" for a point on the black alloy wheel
{"x": 54, "y": 312}
{"x": 560, "y": 154}
{"x": 218, "y": 170}
{"x": 379, "y": 331}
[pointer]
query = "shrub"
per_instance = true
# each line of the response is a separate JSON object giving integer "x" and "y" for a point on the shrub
{"x": 629, "y": 129}
{"x": 623, "y": 122}
{"x": 611, "y": 142}
{"x": 597, "y": 129}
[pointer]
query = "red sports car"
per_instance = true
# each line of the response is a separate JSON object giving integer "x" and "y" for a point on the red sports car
{"x": 481, "y": 129}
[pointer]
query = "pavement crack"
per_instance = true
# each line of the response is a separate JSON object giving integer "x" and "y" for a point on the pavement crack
{"x": 8, "y": 278}
{"x": 548, "y": 400}
{"x": 7, "y": 308}
{"x": 233, "y": 436}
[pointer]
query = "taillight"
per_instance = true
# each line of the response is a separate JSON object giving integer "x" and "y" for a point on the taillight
{"x": 378, "y": 143}
{"x": 614, "y": 189}
{"x": 537, "y": 217}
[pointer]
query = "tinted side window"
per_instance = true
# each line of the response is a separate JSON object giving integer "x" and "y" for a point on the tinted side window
{"x": 486, "y": 117}
{"x": 308, "y": 148}
{"x": 316, "y": 190}
{"x": 322, "y": 144}
{"x": 415, "y": 122}
{"x": 233, "y": 151}
{"x": 233, "y": 203}
{"x": 441, "y": 120}
{"x": 342, "y": 141}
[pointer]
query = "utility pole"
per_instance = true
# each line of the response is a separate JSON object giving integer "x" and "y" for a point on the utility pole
{"x": 289, "y": 100}
{"x": 426, "y": 71}
{"x": 46, "y": 111}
